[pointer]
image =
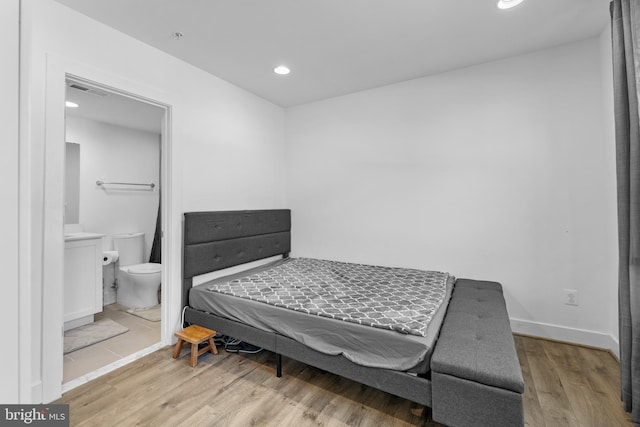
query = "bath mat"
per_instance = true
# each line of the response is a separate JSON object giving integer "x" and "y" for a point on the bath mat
{"x": 151, "y": 313}
{"x": 92, "y": 333}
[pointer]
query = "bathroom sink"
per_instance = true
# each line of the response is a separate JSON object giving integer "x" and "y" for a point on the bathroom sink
{"x": 81, "y": 235}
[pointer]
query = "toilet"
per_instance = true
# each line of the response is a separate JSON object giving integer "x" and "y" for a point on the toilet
{"x": 138, "y": 282}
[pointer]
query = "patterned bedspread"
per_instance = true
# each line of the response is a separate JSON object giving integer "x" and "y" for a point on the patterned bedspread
{"x": 398, "y": 299}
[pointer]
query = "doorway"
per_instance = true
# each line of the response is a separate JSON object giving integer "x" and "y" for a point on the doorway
{"x": 49, "y": 356}
{"x": 112, "y": 188}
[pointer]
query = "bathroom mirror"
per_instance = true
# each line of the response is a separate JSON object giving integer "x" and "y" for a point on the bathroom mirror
{"x": 72, "y": 184}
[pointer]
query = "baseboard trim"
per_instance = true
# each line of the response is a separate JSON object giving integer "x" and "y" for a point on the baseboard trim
{"x": 565, "y": 334}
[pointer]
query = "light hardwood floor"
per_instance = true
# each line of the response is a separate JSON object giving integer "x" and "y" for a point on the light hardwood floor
{"x": 566, "y": 386}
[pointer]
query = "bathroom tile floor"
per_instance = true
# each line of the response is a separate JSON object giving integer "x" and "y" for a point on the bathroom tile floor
{"x": 142, "y": 334}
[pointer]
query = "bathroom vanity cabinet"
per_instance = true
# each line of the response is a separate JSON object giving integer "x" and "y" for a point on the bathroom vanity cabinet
{"x": 82, "y": 278}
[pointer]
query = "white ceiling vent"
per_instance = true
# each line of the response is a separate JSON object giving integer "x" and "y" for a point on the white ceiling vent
{"x": 86, "y": 89}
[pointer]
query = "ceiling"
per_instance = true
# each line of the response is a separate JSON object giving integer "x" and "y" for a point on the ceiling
{"x": 108, "y": 107}
{"x": 336, "y": 47}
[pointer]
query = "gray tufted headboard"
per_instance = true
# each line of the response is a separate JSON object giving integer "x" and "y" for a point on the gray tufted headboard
{"x": 221, "y": 239}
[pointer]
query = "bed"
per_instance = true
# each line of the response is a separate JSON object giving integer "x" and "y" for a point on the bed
{"x": 463, "y": 366}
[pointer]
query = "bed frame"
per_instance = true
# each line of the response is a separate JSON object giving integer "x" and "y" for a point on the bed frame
{"x": 475, "y": 377}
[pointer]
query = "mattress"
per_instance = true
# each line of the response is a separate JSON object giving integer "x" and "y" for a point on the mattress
{"x": 362, "y": 344}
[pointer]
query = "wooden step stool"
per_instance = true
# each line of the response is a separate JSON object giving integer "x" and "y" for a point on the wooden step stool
{"x": 194, "y": 335}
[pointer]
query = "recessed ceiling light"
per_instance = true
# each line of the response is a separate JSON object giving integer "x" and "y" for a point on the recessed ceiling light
{"x": 282, "y": 70}
{"x": 508, "y": 4}
{"x": 71, "y": 104}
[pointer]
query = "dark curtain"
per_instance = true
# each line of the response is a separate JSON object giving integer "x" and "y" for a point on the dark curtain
{"x": 625, "y": 27}
{"x": 155, "y": 248}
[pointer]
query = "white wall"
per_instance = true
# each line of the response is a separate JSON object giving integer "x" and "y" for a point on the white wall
{"x": 113, "y": 153}
{"x": 227, "y": 144}
{"x": 610, "y": 190}
{"x": 499, "y": 171}
{"x": 116, "y": 154}
{"x": 9, "y": 224}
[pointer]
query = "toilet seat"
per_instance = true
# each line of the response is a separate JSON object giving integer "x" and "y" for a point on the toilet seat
{"x": 146, "y": 268}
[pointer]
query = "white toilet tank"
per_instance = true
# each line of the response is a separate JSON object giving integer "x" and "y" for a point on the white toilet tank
{"x": 130, "y": 248}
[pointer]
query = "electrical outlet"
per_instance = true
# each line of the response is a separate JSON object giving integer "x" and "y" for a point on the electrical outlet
{"x": 571, "y": 297}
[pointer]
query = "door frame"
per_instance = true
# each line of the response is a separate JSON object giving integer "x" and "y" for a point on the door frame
{"x": 59, "y": 70}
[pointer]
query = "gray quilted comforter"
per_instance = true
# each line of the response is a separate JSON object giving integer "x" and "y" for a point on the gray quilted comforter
{"x": 398, "y": 299}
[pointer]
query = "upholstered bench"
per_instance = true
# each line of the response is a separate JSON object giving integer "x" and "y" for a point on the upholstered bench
{"x": 477, "y": 380}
